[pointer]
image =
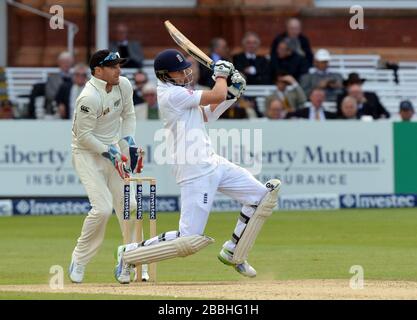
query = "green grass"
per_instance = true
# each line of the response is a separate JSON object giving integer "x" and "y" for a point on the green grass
{"x": 292, "y": 245}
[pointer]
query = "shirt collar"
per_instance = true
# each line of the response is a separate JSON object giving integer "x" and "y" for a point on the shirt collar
{"x": 250, "y": 55}
{"x": 100, "y": 84}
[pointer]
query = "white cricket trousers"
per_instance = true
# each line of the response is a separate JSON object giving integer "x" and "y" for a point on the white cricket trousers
{"x": 104, "y": 188}
{"x": 197, "y": 198}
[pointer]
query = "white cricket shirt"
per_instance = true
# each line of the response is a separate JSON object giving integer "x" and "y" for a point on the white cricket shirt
{"x": 189, "y": 145}
{"x": 96, "y": 121}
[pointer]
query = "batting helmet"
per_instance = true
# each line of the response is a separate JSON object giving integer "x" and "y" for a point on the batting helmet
{"x": 169, "y": 60}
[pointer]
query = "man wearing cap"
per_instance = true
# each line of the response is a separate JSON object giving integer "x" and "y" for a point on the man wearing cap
{"x": 321, "y": 77}
{"x": 368, "y": 102}
{"x": 103, "y": 151}
{"x": 406, "y": 111}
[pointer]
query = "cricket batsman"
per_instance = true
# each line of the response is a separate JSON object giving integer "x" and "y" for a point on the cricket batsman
{"x": 103, "y": 152}
{"x": 183, "y": 111}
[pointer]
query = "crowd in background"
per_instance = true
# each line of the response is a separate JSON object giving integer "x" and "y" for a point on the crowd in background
{"x": 302, "y": 78}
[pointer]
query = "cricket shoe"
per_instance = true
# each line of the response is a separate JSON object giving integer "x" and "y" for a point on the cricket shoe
{"x": 122, "y": 270}
{"x": 244, "y": 268}
{"x": 76, "y": 272}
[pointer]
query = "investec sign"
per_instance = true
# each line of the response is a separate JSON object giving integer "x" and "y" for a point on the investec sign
{"x": 349, "y": 201}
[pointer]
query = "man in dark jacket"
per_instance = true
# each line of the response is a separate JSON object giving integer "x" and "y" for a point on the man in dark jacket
{"x": 316, "y": 111}
{"x": 368, "y": 102}
{"x": 69, "y": 92}
{"x": 253, "y": 66}
{"x": 294, "y": 31}
{"x": 132, "y": 50}
{"x": 289, "y": 61}
{"x": 219, "y": 50}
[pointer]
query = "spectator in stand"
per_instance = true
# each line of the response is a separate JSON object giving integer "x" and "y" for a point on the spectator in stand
{"x": 368, "y": 102}
{"x": 289, "y": 92}
{"x": 315, "y": 111}
{"x": 349, "y": 109}
{"x": 68, "y": 92}
{"x": 322, "y": 78}
{"x": 301, "y": 43}
{"x": 244, "y": 108}
{"x": 132, "y": 50}
{"x": 148, "y": 109}
{"x": 353, "y": 78}
{"x": 7, "y": 110}
{"x": 275, "y": 108}
{"x": 219, "y": 50}
{"x": 289, "y": 61}
{"x": 254, "y": 67}
{"x": 140, "y": 78}
{"x": 54, "y": 81}
{"x": 406, "y": 111}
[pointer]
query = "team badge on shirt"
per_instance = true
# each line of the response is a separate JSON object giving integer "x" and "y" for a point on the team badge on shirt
{"x": 84, "y": 109}
{"x": 116, "y": 104}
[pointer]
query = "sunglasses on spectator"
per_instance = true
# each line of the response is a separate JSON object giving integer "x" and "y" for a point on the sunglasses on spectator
{"x": 110, "y": 57}
{"x": 82, "y": 74}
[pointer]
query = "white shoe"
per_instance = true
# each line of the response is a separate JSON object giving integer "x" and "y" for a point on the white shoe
{"x": 244, "y": 268}
{"x": 76, "y": 272}
{"x": 122, "y": 270}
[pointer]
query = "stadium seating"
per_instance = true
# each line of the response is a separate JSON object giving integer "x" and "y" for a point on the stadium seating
{"x": 21, "y": 80}
{"x": 354, "y": 61}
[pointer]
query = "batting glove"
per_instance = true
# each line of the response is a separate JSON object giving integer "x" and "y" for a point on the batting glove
{"x": 135, "y": 154}
{"x": 237, "y": 85}
{"x": 223, "y": 69}
{"x": 118, "y": 160}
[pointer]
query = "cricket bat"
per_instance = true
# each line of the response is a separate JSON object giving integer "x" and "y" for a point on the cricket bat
{"x": 188, "y": 46}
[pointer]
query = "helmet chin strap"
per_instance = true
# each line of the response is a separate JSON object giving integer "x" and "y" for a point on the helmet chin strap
{"x": 186, "y": 81}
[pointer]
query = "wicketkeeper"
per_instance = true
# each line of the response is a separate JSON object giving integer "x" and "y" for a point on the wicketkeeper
{"x": 103, "y": 152}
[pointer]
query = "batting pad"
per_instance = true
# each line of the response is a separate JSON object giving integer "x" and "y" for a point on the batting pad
{"x": 180, "y": 247}
{"x": 254, "y": 226}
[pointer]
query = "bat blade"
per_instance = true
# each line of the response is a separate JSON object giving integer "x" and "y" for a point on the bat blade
{"x": 188, "y": 46}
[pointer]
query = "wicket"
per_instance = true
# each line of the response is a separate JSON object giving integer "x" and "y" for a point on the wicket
{"x": 138, "y": 223}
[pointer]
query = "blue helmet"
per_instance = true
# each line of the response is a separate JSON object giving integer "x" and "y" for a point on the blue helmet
{"x": 169, "y": 60}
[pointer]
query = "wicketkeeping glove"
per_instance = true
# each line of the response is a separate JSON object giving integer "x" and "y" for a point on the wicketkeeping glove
{"x": 118, "y": 160}
{"x": 223, "y": 69}
{"x": 135, "y": 154}
{"x": 237, "y": 85}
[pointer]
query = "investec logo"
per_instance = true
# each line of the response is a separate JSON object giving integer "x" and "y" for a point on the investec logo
{"x": 126, "y": 200}
{"x": 387, "y": 201}
{"x": 58, "y": 207}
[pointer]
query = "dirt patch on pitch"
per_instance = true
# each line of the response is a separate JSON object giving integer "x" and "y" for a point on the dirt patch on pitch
{"x": 242, "y": 290}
